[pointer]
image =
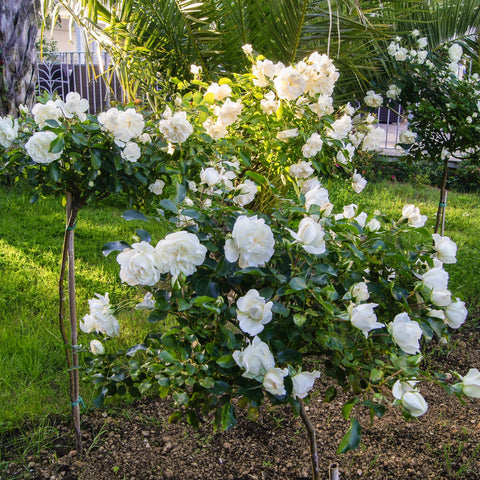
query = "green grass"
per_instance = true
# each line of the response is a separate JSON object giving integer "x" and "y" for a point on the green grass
{"x": 33, "y": 377}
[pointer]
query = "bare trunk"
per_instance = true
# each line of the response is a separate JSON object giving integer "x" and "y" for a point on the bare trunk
{"x": 440, "y": 223}
{"x": 313, "y": 441}
{"x": 18, "y": 54}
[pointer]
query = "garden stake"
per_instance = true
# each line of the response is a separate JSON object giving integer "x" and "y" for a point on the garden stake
{"x": 333, "y": 473}
{"x": 71, "y": 356}
{"x": 440, "y": 223}
{"x": 313, "y": 441}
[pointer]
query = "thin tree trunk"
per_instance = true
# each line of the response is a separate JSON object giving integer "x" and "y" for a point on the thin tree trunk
{"x": 71, "y": 348}
{"x": 442, "y": 205}
{"x": 18, "y": 54}
{"x": 313, "y": 441}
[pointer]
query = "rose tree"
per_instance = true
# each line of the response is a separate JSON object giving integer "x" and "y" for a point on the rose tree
{"x": 262, "y": 306}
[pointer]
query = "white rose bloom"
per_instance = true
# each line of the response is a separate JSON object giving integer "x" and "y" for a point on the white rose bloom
{"x": 435, "y": 278}
{"x": 340, "y": 128}
{"x": 195, "y": 69}
{"x": 139, "y": 265}
{"x": 216, "y": 130}
{"x": 38, "y": 147}
{"x": 350, "y": 150}
{"x": 148, "y": 302}
{"x": 422, "y": 56}
{"x": 358, "y": 182}
{"x": 8, "y": 131}
{"x": 273, "y": 381}
{"x": 323, "y": 106}
{"x": 210, "y": 176}
{"x": 247, "y": 49}
{"x": 436, "y": 314}
{"x": 75, "y": 105}
{"x": 96, "y": 347}
{"x": 252, "y": 242}
{"x": 348, "y": 109}
{"x": 144, "y": 138}
{"x": 455, "y": 53}
{"x": 303, "y": 383}
{"x": 316, "y": 196}
{"x": 410, "y": 398}
{"x": 180, "y": 252}
{"x": 372, "y": 99}
{"x": 284, "y": 134}
{"x": 263, "y": 70}
{"x": 441, "y": 297}
{"x": 422, "y": 42}
{"x": 301, "y": 169}
{"x": 268, "y": 104}
{"x": 349, "y": 210}
{"x": 361, "y": 219}
{"x": 412, "y": 214}
{"x": 445, "y": 248}
{"x": 219, "y": 91}
{"x": 100, "y": 319}
{"x": 247, "y": 191}
{"x": 408, "y": 137}
{"x": 393, "y": 92}
{"x": 363, "y": 317}
{"x": 157, "y": 187}
{"x": 131, "y": 152}
{"x": 43, "y": 112}
{"x": 310, "y": 235}
{"x": 359, "y": 292}
{"x": 374, "y": 140}
{"x": 456, "y": 314}
{"x": 373, "y": 225}
{"x": 471, "y": 383}
{"x": 401, "y": 54}
{"x": 406, "y": 333}
{"x": 312, "y": 146}
{"x": 176, "y": 129}
{"x": 124, "y": 125}
{"x": 228, "y": 113}
{"x": 289, "y": 84}
{"x": 310, "y": 184}
{"x": 253, "y": 312}
{"x": 256, "y": 359}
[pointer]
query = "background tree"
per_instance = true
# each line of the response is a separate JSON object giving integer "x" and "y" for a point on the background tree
{"x": 18, "y": 55}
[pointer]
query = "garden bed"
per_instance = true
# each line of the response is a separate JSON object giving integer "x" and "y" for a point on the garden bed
{"x": 137, "y": 442}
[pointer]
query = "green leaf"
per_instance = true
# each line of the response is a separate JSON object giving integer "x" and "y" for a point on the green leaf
{"x": 376, "y": 375}
{"x": 167, "y": 204}
{"x": 220, "y": 387}
{"x": 144, "y": 386}
{"x": 298, "y": 283}
{"x": 114, "y": 247}
{"x": 347, "y": 408}
{"x": 180, "y": 398}
{"x": 54, "y": 172}
{"x": 226, "y": 361}
{"x": 352, "y": 438}
{"x": 57, "y": 145}
{"x": 330, "y": 394}
{"x": 134, "y": 215}
{"x": 143, "y": 235}
{"x": 299, "y": 319}
{"x": 289, "y": 355}
{"x": 229, "y": 419}
{"x": 260, "y": 179}
{"x": 180, "y": 193}
{"x": 166, "y": 357}
{"x": 192, "y": 419}
{"x": 280, "y": 309}
{"x": 207, "y": 382}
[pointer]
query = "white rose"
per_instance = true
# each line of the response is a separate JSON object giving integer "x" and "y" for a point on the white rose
{"x": 229, "y": 112}
{"x": 435, "y": 278}
{"x": 131, "y": 152}
{"x": 8, "y": 131}
{"x": 323, "y": 106}
{"x": 363, "y": 317}
{"x": 310, "y": 235}
{"x": 373, "y": 140}
{"x": 373, "y": 100}
{"x": 219, "y": 91}
{"x": 456, "y": 314}
{"x": 96, "y": 347}
{"x": 310, "y": 184}
{"x": 361, "y": 219}
{"x": 180, "y": 252}
{"x": 358, "y": 182}
{"x": 289, "y": 84}
{"x": 410, "y": 397}
{"x": 350, "y": 150}
{"x": 441, "y": 297}
{"x": 349, "y": 210}
{"x": 445, "y": 248}
{"x": 38, "y": 147}
{"x": 303, "y": 383}
{"x": 195, "y": 69}
{"x": 455, "y": 52}
{"x": 359, "y": 292}
{"x": 43, "y": 112}
{"x": 412, "y": 214}
{"x": 216, "y": 130}
{"x": 301, "y": 169}
{"x": 393, "y": 92}
{"x": 406, "y": 333}
{"x": 373, "y": 225}
{"x": 100, "y": 319}
{"x": 471, "y": 383}
{"x": 262, "y": 70}
{"x": 210, "y": 176}
{"x": 176, "y": 129}
{"x": 148, "y": 302}
{"x": 253, "y": 313}
{"x": 157, "y": 187}
{"x": 252, "y": 242}
{"x": 285, "y": 134}
{"x": 316, "y": 196}
{"x": 255, "y": 359}
{"x": 268, "y": 104}
{"x": 139, "y": 265}
{"x": 273, "y": 381}
{"x": 247, "y": 191}
{"x": 401, "y": 54}
{"x": 75, "y": 105}
{"x": 145, "y": 138}
{"x": 407, "y": 137}
{"x": 340, "y": 128}
{"x": 247, "y": 49}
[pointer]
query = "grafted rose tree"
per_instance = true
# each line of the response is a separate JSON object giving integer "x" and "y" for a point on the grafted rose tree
{"x": 262, "y": 301}
{"x": 439, "y": 92}
{"x": 61, "y": 150}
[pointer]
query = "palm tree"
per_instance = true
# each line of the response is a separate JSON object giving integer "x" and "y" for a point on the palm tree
{"x": 18, "y": 54}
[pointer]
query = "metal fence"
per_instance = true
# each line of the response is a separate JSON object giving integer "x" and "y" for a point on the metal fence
{"x": 64, "y": 72}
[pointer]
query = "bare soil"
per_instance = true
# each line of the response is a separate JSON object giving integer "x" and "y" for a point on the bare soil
{"x": 138, "y": 443}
